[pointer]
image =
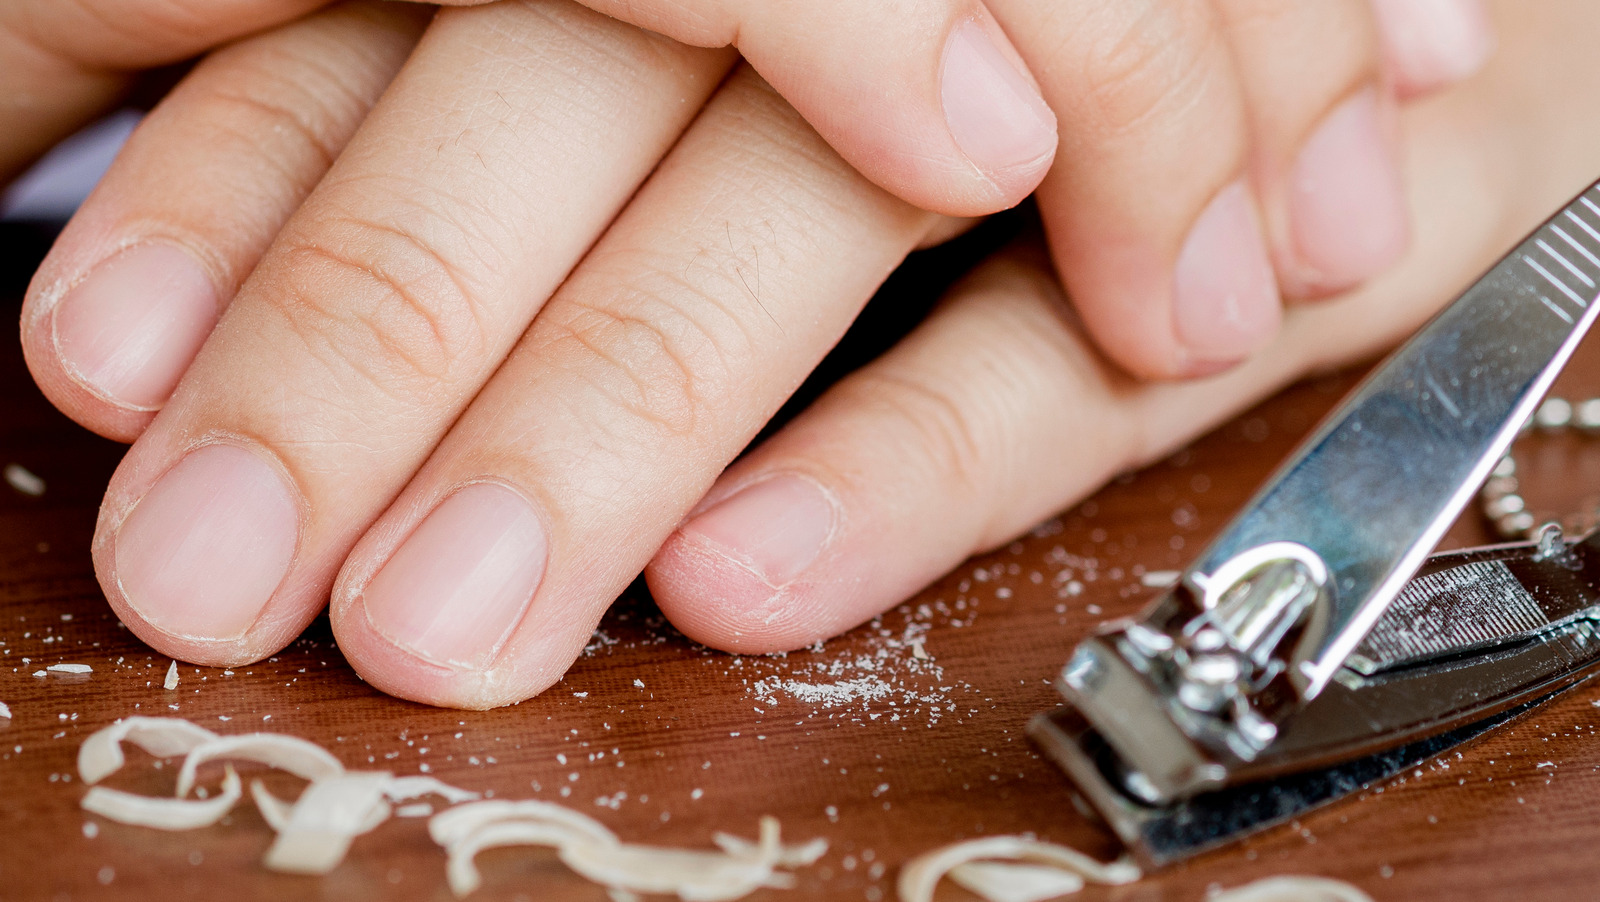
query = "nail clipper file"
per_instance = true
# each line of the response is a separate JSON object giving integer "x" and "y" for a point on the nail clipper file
{"x": 1315, "y": 648}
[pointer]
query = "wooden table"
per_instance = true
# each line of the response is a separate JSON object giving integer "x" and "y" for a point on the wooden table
{"x": 667, "y": 742}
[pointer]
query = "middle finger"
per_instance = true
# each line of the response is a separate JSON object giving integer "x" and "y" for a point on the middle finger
{"x": 720, "y": 287}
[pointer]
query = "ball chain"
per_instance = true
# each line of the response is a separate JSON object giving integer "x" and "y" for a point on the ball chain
{"x": 1501, "y": 499}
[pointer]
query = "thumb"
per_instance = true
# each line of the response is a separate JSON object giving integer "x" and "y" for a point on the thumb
{"x": 928, "y": 99}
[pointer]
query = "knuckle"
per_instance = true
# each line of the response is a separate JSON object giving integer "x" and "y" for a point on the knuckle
{"x": 269, "y": 103}
{"x": 1154, "y": 61}
{"x": 383, "y": 302}
{"x": 947, "y": 435}
{"x": 648, "y": 357}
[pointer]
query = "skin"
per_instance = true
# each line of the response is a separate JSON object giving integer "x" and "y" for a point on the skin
{"x": 400, "y": 335}
{"x": 1173, "y": 111}
{"x": 1165, "y": 109}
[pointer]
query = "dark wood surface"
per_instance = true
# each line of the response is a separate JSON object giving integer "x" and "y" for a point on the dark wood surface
{"x": 678, "y": 741}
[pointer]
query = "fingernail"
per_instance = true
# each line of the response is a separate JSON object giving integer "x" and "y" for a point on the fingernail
{"x": 129, "y": 330}
{"x": 994, "y": 112}
{"x": 1225, "y": 297}
{"x": 776, "y": 527}
{"x": 206, "y": 547}
{"x": 458, "y": 585}
{"x": 1434, "y": 43}
{"x": 1347, "y": 209}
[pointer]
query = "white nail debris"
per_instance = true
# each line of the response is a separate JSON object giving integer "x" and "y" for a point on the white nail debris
{"x": 1011, "y": 882}
{"x": 274, "y": 811}
{"x": 70, "y": 668}
{"x": 589, "y": 848}
{"x": 460, "y": 870}
{"x": 5, "y": 710}
{"x": 918, "y": 652}
{"x": 337, "y": 805}
{"x": 314, "y": 832}
{"x": 690, "y": 873}
{"x": 1017, "y": 869}
{"x": 1293, "y": 888}
{"x": 451, "y": 827}
{"x": 919, "y": 877}
{"x": 327, "y": 817}
{"x": 100, "y": 755}
{"x": 171, "y": 682}
{"x": 24, "y": 480}
{"x": 797, "y": 856}
{"x": 1160, "y": 579}
{"x": 162, "y": 813}
{"x": 291, "y": 753}
{"x": 404, "y": 789}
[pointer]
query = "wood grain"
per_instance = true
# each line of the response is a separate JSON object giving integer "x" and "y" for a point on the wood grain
{"x": 666, "y": 741}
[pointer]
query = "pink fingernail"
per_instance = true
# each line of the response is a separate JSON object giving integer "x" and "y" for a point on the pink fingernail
{"x": 1225, "y": 296}
{"x": 1433, "y": 43}
{"x": 994, "y": 112}
{"x": 1347, "y": 208}
{"x": 776, "y": 527}
{"x": 456, "y": 588}
{"x": 203, "y": 551}
{"x": 130, "y": 329}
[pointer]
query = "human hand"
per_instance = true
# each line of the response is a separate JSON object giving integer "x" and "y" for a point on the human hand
{"x": 1217, "y": 154}
{"x": 1223, "y": 151}
{"x": 1162, "y": 85}
{"x": 391, "y": 296}
{"x": 347, "y": 423}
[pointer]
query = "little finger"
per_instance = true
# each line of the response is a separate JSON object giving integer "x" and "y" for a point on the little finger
{"x": 136, "y": 281}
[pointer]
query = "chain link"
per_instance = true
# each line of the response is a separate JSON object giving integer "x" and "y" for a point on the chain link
{"x": 1501, "y": 498}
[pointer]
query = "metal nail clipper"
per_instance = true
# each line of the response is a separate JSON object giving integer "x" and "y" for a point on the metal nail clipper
{"x": 1314, "y": 647}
